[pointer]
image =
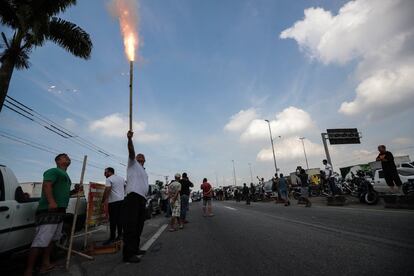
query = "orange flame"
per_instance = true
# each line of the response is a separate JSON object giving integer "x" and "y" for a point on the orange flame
{"x": 126, "y": 11}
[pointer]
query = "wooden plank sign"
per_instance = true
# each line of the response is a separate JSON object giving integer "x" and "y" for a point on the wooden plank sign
{"x": 97, "y": 212}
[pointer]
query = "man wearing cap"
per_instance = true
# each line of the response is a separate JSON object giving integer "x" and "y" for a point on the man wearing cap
{"x": 134, "y": 203}
{"x": 175, "y": 202}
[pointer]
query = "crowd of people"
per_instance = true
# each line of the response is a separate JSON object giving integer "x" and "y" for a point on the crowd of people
{"x": 127, "y": 201}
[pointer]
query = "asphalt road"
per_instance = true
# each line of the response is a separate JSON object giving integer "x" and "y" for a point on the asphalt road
{"x": 264, "y": 239}
{"x": 269, "y": 239}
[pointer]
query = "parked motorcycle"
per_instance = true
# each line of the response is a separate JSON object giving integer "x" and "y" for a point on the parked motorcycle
{"x": 361, "y": 188}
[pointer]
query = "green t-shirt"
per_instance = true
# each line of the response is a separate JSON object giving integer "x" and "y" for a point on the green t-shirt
{"x": 60, "y": 188}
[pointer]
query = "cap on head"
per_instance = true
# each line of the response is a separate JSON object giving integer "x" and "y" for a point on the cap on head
{"x": 184, "y": 175}
{"x": 177, "y": 176}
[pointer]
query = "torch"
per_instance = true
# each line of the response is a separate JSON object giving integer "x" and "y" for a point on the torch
{"x": 131, "y": 69}
{"x": 127, "y": 12}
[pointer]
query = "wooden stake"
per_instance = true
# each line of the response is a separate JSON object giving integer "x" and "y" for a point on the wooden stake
{"x": 75, "y": 216}
{"x": 130, "y": 93}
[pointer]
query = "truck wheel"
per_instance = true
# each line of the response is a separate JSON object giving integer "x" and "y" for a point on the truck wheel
{"x": 371, "y": 198}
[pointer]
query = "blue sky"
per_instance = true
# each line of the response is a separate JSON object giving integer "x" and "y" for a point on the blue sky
{"x": 200, "y": 64}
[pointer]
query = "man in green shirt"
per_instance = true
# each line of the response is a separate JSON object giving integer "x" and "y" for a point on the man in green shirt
{"x": 50, "y": 213}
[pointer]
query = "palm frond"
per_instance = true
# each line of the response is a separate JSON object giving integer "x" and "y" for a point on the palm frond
{"x": 71, "y": 37}
{"x": 21, "y": 57}
{"x": 51, "y": 7}
{"x": 8, "y": 15}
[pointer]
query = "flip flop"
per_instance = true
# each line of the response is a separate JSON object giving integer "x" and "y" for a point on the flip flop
{"x": 172, "y": 229}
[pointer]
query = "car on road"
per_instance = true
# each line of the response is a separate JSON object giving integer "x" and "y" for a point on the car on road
{"x": 17, "y": 213}
{"x": 406, "y": 176}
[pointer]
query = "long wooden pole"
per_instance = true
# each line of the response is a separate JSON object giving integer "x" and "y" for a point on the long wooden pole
{"x": 75, "y": 216}
{"x": 130, "y": 93}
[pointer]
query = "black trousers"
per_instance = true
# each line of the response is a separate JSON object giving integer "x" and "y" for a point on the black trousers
{"x": 134, "y": 217}
{"x": 392, "y": 178}
{"x": 115, "y": 220}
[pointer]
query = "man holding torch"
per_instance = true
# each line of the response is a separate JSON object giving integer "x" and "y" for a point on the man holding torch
{"x": 134, "y": 204}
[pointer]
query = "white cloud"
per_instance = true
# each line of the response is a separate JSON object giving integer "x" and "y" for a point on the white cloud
{"x": 403, "y": 141}
{"x": 241, "y": 120}
{"x": 116, "y": 126}
{"x": 69, "y": 123}
{"x": 378, "y": 34}
{"x": 290, "y": 149}
{"x": 384, "y": 90}
{"x": 290, "y": 121}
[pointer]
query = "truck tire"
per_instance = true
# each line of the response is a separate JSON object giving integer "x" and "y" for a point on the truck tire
{"x": 371, "y": 198}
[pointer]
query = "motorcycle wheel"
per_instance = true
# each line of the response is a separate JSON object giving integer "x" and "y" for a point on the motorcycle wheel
{"x": 371, "y": 198}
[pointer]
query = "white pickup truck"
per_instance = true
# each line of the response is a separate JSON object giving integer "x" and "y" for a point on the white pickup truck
{"x": 17, "y": 213}
{"x": 406, "y": 176}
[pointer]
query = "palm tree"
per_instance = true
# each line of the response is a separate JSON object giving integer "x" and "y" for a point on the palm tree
{"x": 32, "y": 23}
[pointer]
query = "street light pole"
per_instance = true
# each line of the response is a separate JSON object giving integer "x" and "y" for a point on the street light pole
{"x": 251, "y": 174}
{"x": 234, "y": 173}
{"x": 273, "y": 148}
{"x": 304, "y": 151}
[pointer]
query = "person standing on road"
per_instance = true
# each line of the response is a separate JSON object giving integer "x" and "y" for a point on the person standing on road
{"x": 175, "y": 202}
{"x": 114, "y": 197}
{"x": 50, "y": 213}
{"x": 329, "y": 176}
{"x": 164, "y": 199}
{"x": 237, "y": 194}
{"x": 389, "y": 168}
{"x": 207, "y": 196}
{"x": 134, "y": 203}
{"x": 283, "y": 189}
{"x": 246, "y": 193}
{"x": 304, "y": 187}
{"x": 186, "y": 184}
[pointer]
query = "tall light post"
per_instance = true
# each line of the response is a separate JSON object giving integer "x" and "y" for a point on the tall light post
{"x": 251, "y": 174}
{"x": 234, "y": 174}
{"x": 304, "y": 151}
{"x": 273, "y": 147}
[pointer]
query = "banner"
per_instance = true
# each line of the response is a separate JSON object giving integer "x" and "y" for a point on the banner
{"x": 97, "y": 212}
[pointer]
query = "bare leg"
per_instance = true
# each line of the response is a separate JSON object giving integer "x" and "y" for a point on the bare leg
{"x": 46, "y": 258}
{"x": 209, "y": 210}
{"x": 33, "y": 254}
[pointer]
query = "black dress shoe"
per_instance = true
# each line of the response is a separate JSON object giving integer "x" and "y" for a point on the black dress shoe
{"x": 132, "y": 259}
{"x": 141, "y": 252}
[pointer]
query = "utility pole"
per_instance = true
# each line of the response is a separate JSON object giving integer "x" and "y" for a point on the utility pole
{"x": 234, "y": 174}
{"x": 273, "y": 148}
{"x": 251, "y": 174}
{"x": 304, "y": 151}
{"x": 325, "y": 145}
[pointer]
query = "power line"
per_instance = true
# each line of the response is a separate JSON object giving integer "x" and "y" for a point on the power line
{"x": 34, "y": 116}
{"x": 44, "y": 148}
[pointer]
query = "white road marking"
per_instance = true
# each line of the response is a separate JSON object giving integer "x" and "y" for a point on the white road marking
{"x": 231, "y": 208}
{"x": 149, "y": 242}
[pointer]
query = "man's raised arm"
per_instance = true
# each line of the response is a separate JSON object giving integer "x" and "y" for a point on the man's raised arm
{"x": 131, "y": 150}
